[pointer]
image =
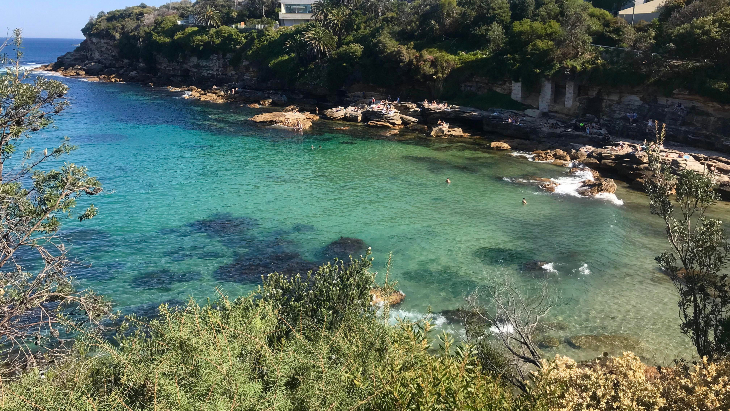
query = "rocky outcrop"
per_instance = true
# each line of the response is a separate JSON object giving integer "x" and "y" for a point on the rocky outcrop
{"x": 379, "y": 296}
{"x": 293, "y": 120}
{"x": 498, "y": 145}
{"x": 445, "y": 131}
{"x": 599, "y": 185}
{"x": 349, "y": 114}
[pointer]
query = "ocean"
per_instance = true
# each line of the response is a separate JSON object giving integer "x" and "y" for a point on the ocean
{"x": 200, "y": 201}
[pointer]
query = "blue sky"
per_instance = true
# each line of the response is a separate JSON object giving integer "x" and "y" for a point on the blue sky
{"x": 56, "y": 18}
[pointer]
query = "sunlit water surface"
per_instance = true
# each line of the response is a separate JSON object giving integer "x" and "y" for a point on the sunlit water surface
{"x": 198, "y": 199}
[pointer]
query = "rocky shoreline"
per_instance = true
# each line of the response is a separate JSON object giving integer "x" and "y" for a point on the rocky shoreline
{"x": 546, "y": 138}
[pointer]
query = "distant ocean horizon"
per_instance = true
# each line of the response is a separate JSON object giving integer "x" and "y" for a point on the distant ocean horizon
{"x": 41, "y": 51}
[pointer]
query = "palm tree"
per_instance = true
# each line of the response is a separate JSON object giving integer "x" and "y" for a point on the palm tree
{"x": 319, "y": 40}
{"x": 208, "y": 16}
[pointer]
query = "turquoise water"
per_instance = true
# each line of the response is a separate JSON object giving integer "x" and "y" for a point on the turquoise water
{"x": 198, "y": 200}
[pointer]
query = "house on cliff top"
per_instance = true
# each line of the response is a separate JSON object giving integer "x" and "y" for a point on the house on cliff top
{"x": 642, "y": 11}
{"x": 295, "y": 12}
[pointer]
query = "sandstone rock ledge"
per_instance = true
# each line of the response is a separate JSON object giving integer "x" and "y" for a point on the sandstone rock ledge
{"x": 292, "y": 119}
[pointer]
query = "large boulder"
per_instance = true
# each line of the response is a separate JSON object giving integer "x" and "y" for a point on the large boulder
{"x": 498, "y": 145}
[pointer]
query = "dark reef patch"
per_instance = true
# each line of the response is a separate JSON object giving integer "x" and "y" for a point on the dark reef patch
{"x": 89, "y": 240}
{"x": 150, "y": 310}
{"x": 162, "y": 279}
{"x": 437, "y": 166}
{"x": 501, "y": 256}
{"x": 100, "y": 138}
{"x": 343, "y": 248}
{"x": 224, "y": 225}
{"x": 190, "y": 253}
{"x": 96, "y": 271}
{"x": 436, "y": 279}
{"x": 246, "y": 269}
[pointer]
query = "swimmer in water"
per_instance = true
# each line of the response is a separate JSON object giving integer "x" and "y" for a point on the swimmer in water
{"x": 448, "y": 181}
{"x": 312, "y": 146}
{"x": 524, "y": 202}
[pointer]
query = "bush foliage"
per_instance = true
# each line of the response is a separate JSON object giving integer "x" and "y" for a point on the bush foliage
{"x": 418, "y": 45}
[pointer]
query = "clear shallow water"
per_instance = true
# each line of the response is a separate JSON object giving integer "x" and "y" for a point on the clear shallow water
{"x": 194, "y": 188}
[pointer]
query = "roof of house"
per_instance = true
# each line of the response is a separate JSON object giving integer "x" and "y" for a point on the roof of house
{"x": 649, "y": 7}
{"x": 298, "y": 1}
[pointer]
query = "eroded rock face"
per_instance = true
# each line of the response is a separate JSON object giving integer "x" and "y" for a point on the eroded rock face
{"x": 498, "y": 145}
{"x": 294, "y": 120}
{"x": 541, "y": 155}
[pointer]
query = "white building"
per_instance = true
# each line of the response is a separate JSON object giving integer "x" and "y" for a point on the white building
{"x": 295, "y": 12}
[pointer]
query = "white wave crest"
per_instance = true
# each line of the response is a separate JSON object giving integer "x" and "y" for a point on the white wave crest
{"x": 583, "y": 270}
{"x": 528, "y": 156}
{"x": 570, "y": 185}
{"x": 549, "y": 267}
{"x": 502, "y": 328}
{"x": 437, "y": 319}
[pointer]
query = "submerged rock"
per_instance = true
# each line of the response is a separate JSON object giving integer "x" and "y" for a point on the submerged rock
{"x": 463, "y": 316}
{"x": 223, "y": 225}
{"x": 344, "y": 247}
{"x": 163, "y": 279}
{"x": 500, "y": 255}
{"x": 251, "y": 269}
{"x": 548, "y": 342}
{"x": 604, "y": 342}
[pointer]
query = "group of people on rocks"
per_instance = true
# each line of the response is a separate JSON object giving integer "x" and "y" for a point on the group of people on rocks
{"x": 436, "y": 105}
{"x": 385, "y": 106}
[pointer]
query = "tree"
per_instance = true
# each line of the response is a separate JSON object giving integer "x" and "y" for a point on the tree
{"x": 500, "y": 322}
{"x": 336, "y": 19}
{"x": 35, "y": 288}
{"x": 699, "y": 251}
{"x": 320, "y": 41}
{"x": 207, "y": 15}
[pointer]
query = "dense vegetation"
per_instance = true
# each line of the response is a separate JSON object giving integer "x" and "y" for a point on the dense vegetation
{"x": 433, "y": 45}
